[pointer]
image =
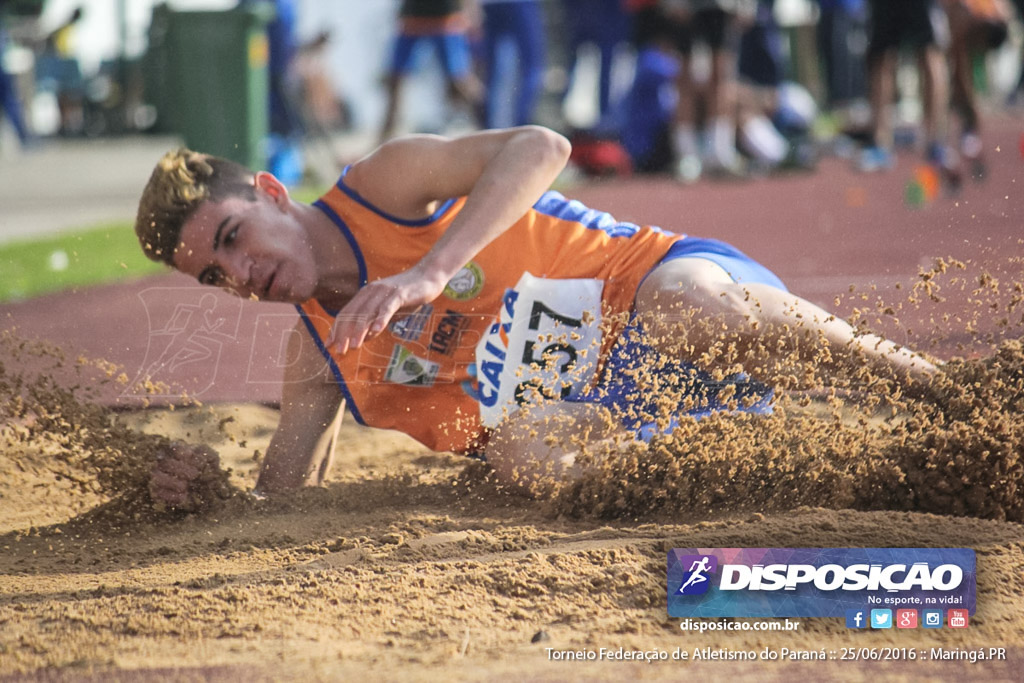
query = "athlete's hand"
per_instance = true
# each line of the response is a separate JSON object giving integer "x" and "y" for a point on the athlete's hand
{"x": 372, "y": 308}
{"x": 179, "y": 468}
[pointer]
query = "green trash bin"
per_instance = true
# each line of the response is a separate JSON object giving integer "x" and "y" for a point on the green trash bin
{"x": 211, "y": 70}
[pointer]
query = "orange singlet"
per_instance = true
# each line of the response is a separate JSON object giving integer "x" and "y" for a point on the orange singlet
{"x": 419, "y": 375}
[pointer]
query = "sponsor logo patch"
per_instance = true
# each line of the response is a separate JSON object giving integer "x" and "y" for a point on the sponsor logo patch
{"x": 465, "y": 284}
{"x": 445, "y": 338}
{"x": 411, "y": 326}
{"x": 410, "y": 370}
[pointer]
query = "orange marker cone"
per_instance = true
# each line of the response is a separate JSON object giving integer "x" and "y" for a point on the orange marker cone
{"x": 928, "y": 178}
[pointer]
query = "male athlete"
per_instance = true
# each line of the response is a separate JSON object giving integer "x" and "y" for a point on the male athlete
{"x": 444, "y": 287}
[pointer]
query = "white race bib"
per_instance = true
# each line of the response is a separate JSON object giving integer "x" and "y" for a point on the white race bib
{"x": 545, "y": 345}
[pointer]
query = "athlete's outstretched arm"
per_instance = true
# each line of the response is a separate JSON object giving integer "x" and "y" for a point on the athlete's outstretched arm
{"x": 302, "y": 448}
{"x": 300, "y": 452}
{"x": 501, "y": 173}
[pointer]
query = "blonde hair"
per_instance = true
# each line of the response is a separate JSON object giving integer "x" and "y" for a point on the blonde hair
{"x": 180, "y": 183}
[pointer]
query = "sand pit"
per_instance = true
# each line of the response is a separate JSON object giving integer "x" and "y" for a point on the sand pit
{"x": 416, "y": 566}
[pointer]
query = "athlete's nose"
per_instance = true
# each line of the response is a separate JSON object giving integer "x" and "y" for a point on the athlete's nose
{"x": 237, "y": 269}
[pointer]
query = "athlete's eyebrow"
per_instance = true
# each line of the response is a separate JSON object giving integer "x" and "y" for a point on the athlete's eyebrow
{"x": 216, "y": 243}
{"x": 220, "y": 229}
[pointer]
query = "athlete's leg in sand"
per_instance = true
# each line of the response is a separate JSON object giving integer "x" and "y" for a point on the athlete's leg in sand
{"x": 693, "y": 308}
{"x": 540, "y": 445}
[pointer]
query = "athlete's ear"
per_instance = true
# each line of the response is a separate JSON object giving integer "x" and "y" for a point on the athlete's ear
{"x": 274, "y": 188}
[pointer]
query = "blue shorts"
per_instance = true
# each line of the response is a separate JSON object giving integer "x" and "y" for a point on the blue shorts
{"x": 637, "y": 376}
{"x": 452, "y": 49}
{"x": 740, "y": 267}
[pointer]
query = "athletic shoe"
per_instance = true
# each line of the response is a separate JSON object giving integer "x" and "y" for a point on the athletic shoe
{"x": 971, "y": 149}
{"x": 874, "y": 159}
{"x": 688, "y": 169}
{"x": 947, "y": 162}
{"x": 725, "y": 166}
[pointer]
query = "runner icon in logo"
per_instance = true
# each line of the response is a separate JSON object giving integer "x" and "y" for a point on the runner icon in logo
{"x": 697, "y": 575}
{"x": 185, "y": 350}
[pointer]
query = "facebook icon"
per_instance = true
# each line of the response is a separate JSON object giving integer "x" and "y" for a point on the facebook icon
{"x": 856, "y": 618}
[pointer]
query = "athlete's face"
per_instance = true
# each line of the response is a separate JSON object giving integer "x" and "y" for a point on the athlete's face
{"x": 253, "y": 248}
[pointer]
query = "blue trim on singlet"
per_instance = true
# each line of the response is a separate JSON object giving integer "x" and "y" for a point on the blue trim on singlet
{"x": 554, "y": 204}
{"x": 343, "y": 227}
{"x": 356, "y": 251}
{"x": 361, "y": 264}
{"x": 333, "y": 365}
{"x": 419, "y": 222}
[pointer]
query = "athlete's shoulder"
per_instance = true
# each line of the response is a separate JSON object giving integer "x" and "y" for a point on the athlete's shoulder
{"x": 397, "y": 175}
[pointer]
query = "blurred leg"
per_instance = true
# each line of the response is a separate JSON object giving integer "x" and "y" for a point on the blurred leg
{"x": 401, "y": 63}
{"x": 529, "y": 34}
{"x": 882, "y": 69}
{"x": 932, "y": 62}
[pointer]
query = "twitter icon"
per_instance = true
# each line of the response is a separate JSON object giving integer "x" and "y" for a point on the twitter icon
{"x": 881, "y": 618}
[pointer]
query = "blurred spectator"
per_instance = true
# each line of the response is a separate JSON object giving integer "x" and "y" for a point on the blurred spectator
{"x": 920, "y": 25}
{"x": 976, "y": 27}
{"x": 773, "y": 116}
{"x": 761, "y": 60}
{"x": 58, "y": 72}
{"x": 718, "y": 24}
{"x": 648, "y": 110}
{"x": 775, "y": 124}
{"x": 10, "y": 102}
{"x": 513, "y": 42}
{"x": 443, "y": 24}
{"x": 1017, "y": 96}
{"x": 773, "y": 120}
{"x": 284, "y": 117}
{"x": 284, "y": 158}
{"x": 842, "y": 43}
{"x": 322, "y": 108}
{"x": 603, "y": 24}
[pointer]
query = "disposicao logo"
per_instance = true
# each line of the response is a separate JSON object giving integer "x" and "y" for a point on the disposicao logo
{"x": 819, "y": 582}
